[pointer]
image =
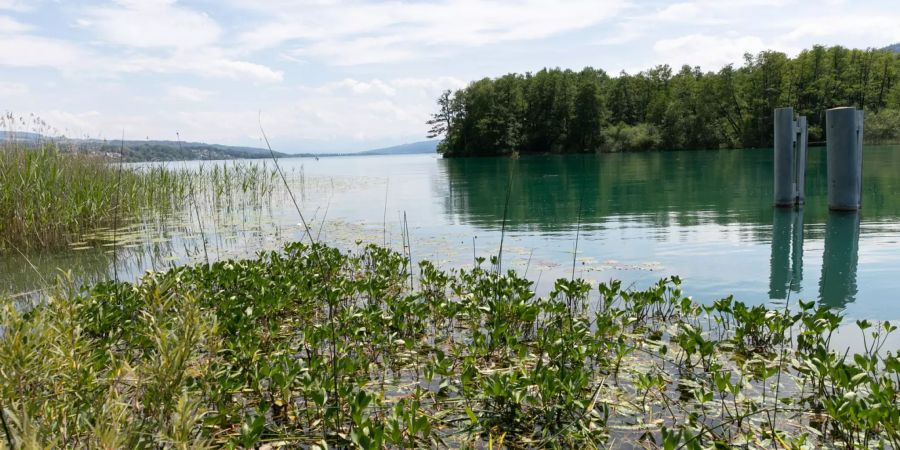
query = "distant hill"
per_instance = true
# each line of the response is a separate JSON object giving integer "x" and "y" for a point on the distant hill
{"x": 405, "y": 149}
{"x": 894, "y": 48}
{"x": 171, "y": 151}
{"x": 138, "y": 151}
{"x": 18, "y": 136}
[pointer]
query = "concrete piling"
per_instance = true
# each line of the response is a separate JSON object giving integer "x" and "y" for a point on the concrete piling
{"x": 844, "y": 138}
{"x": 784, "y": 143}
{"x": 790, "y": 157}
{"x": 801, "y": 151}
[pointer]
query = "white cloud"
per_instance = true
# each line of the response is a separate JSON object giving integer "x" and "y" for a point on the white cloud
{"x": 13, "y": 5}
{"x": 34, "y": 51}
{"x": 162, "y": 36}
{"x": 429, "y": 87}
{"x": 349, "y": 73}
{"x": 359, "y": 110}
{"x": 234, "y": 69}
{"x": 347, "y": 115}
{"x": 437, "y": 83}
{"x": 877, "y": 30}
{"x": 348, "y": 33}
{"x": 187, "y": 93}
{"x": 352, "y": 112}
{"x": 344, "y": 123}
{"x": 358, "y": 87}
{"x": 8, "y": 89}
{"x": 151, "y": 24}
{"x": 708, "y": 52}
{"x": 207, "y": 64}
{"x": 363, "y": 50}
{"x": 10, "y": 25}
{"x": 710, "y": 12}
{"x": 73, "y": 124}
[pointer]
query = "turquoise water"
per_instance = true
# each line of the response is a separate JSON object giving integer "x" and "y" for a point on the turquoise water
{"x": 705, "y": 216}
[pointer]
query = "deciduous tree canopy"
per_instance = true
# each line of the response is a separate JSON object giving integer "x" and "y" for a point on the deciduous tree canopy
{"x": 563, "y": 111}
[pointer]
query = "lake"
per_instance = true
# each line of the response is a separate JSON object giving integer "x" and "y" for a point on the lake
{"x": 705, "y": 216}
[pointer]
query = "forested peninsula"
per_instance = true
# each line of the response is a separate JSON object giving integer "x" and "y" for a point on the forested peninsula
{"x": 563, "y": 111}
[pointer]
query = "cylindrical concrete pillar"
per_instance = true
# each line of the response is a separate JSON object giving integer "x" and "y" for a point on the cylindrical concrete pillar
{"x": 801, "y": 153}
{"x": 785, "y": 191}
{"x": 844, "y": 133}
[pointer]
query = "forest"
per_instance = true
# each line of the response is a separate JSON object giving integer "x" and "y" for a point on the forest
{"x": 564, "y": 111}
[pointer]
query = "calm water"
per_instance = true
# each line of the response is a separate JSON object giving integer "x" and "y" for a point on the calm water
{"x": 705, "y": 216}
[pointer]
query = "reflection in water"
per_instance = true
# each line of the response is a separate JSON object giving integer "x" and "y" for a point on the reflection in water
{"x": 663, "y": 189}
{"x": 837, "y": 287}
{"x": 24, "y": 276}
{"x": 705, "y": 216}
{"x": 786, "y": 264}
{"x": 659, "y": 189}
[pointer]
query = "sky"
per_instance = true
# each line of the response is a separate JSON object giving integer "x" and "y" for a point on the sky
{"x": 335, "y": 76}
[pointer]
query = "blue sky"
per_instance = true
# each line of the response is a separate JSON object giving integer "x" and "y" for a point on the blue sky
{"x": 332, "y": 75}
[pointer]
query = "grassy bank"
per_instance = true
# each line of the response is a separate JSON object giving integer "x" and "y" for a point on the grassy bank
{"x": 48, "y": 197}
{"x": 314, "y": 347}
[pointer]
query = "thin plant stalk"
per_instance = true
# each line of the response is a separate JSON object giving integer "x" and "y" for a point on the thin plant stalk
{"x": 286, "y": 184}
{"x": 503, "y": 225}
{"x": 196, "y": 208}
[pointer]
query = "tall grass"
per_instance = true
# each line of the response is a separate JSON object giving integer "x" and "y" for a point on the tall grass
{"x": 49, "y": 196}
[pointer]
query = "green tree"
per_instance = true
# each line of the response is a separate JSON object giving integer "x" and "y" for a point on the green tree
{"x": 561, "y": 111}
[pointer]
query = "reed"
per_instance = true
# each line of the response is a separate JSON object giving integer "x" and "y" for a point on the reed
{"x": 48, "y": 196}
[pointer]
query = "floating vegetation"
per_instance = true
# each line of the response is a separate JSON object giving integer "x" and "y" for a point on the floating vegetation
{"x": 313, "y": 347}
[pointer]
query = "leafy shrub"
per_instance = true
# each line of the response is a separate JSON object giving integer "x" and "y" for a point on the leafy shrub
{"x": 313, "y": 347}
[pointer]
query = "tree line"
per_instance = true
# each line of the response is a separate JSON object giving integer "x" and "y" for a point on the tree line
{"x": 564, "y": 111}
{"x": 140, "y": 151}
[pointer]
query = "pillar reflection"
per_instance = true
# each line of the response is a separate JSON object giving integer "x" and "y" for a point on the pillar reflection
{"x": 840, "y": 260}
{"x": 786, "y": 262}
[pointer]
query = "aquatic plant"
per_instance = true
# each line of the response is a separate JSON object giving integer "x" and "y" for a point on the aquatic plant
{"x": 48, "y": 196}
{"x": 51, "y": 197}
{"x": 314, "y": 347}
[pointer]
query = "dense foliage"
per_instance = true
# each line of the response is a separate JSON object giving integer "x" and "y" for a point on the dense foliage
{"x": 312, "y": 347}
{"x": 561, "y": 111}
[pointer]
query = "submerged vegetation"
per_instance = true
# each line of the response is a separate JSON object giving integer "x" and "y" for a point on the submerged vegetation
{"x": 562, "y": 111}
{"x": 317, "y": 348}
